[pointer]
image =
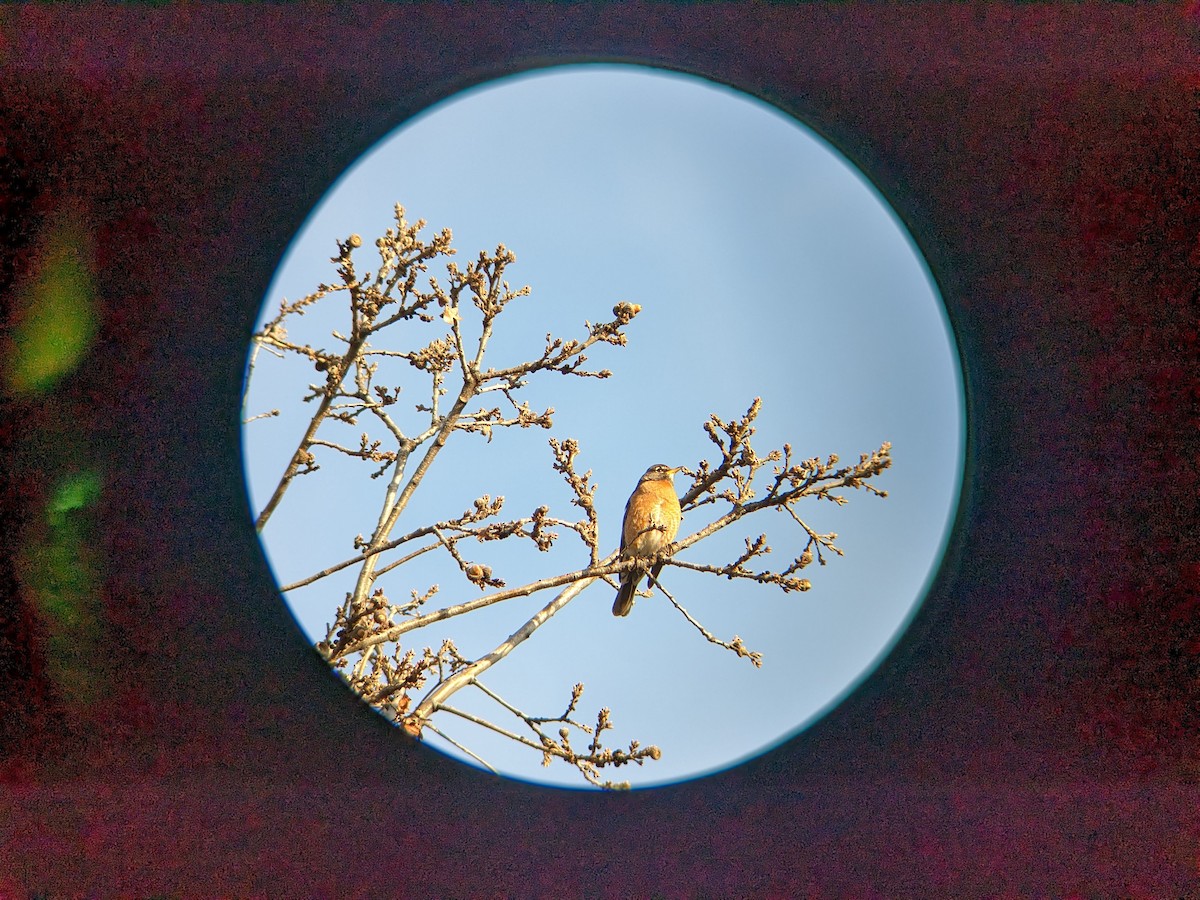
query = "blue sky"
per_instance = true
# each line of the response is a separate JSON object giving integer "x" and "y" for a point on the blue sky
{"x": 765, "y": 266}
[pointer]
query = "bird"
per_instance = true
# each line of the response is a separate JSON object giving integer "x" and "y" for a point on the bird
{"x": 652, "y": 518}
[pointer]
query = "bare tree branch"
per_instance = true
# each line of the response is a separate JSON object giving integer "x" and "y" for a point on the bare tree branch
{"x": 448, "y": 323}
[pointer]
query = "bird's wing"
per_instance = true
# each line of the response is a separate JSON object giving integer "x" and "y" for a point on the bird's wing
{"x": 625, "y": 522}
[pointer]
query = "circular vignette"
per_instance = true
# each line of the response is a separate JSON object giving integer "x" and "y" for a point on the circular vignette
{"x": 766, "y": 266}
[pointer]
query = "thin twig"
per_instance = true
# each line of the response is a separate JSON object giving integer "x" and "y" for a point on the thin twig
{"x": 445, "y": 737}
{"x": 735, "y": 645}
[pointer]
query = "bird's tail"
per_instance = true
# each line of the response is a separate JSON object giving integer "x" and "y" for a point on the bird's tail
{"x": 625, "y": 594}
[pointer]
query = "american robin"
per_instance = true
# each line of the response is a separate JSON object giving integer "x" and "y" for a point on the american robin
{"x": 652, "y": 518}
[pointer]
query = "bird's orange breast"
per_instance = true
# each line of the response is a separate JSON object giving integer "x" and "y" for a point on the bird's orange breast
{"x": 652, "y": 520}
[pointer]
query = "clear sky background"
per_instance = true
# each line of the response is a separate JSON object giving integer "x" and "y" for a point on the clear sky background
{"x": 766, "y": 266}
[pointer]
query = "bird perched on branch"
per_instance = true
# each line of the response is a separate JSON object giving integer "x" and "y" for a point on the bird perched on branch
{"x": 652, "y": 518}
